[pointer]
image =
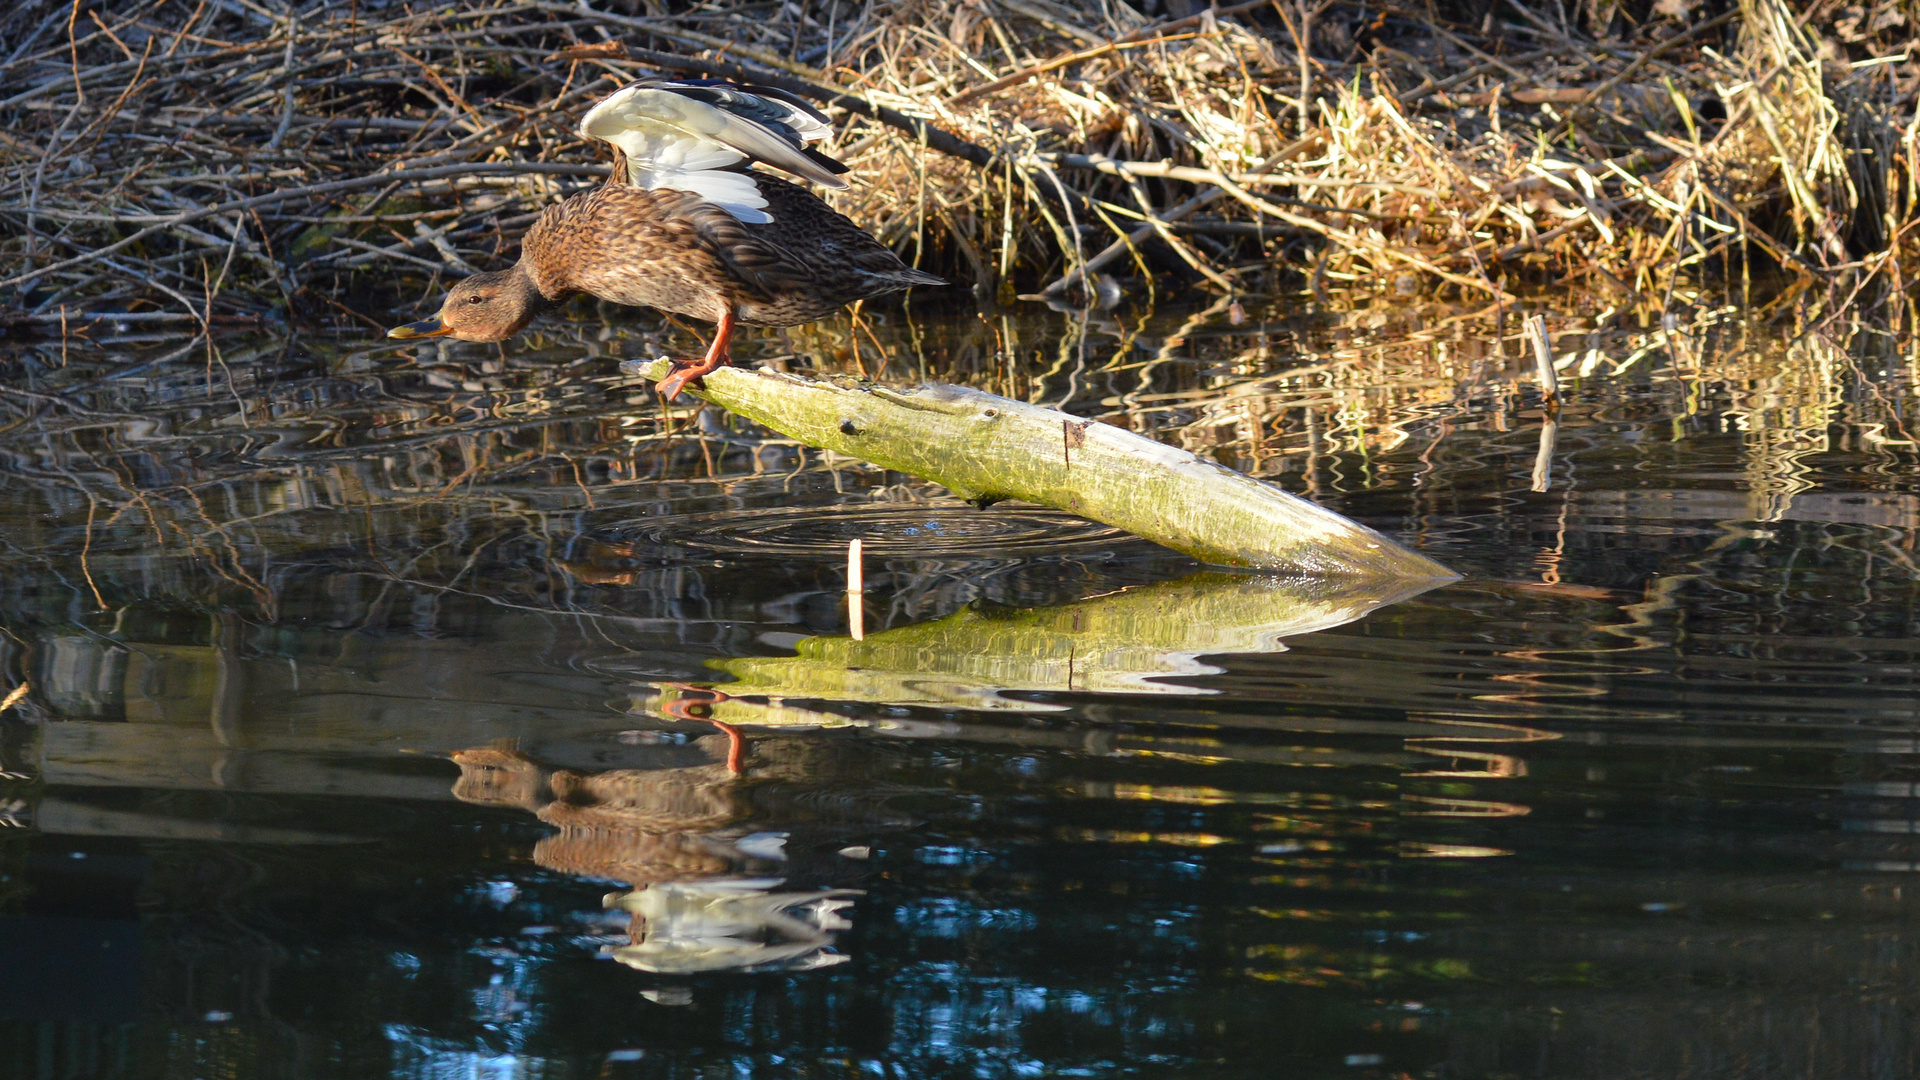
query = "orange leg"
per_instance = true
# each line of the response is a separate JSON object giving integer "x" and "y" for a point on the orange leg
{"x": 718, "y": 356}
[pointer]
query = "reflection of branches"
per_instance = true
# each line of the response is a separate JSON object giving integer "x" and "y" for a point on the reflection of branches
{"x": 436, "y": 474}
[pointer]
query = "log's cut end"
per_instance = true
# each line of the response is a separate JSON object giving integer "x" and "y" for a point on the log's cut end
{"x": 985, "y": 448}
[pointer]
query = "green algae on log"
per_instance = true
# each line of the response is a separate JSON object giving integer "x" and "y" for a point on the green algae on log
{"x": 985, "y": 448}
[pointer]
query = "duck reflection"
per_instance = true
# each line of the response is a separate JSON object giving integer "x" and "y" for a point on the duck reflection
{"x": 705, "y": 888}
{"x": 727, "y": 924}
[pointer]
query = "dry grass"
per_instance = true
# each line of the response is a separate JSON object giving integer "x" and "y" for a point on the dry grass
{"x": 187, "y": 163}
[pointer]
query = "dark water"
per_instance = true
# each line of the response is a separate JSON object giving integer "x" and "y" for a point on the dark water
{"x": 380, "y": 716}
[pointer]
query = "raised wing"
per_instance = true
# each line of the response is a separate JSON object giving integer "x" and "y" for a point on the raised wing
{"x": 694, "y": 134}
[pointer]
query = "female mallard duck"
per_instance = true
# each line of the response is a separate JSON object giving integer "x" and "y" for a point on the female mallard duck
{"x": 683, "y": 224}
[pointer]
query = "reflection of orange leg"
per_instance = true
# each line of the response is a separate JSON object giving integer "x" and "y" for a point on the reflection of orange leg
{"x": 719, "y": 355}
{"x": 736, "y": 747}
{"x": 693, "y": 704}
{"x": 696, "y": 708}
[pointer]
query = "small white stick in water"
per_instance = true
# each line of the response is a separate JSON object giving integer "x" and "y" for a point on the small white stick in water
{"x": 1543, "y": 360}
{"x": 856, "y": 588}
{"x": 1543, "y": 462}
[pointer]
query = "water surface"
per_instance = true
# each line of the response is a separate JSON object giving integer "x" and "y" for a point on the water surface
{"x": 455, "y": 712}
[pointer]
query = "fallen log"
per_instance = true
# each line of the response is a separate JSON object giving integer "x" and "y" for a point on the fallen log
{"x": 985, "y": 448}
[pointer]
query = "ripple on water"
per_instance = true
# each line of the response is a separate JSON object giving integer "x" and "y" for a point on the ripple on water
{"x": 916, "y": 531}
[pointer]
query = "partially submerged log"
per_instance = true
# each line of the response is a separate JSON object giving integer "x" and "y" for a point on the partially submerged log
{"x": 985, "y": 448}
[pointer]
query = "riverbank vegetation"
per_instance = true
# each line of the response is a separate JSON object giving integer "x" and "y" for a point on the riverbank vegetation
{"x": 319, "y": 161}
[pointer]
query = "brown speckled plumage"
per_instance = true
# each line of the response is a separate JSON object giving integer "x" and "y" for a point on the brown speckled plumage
{"x": 675, "y": 251}
{"x": 686, "y": 226}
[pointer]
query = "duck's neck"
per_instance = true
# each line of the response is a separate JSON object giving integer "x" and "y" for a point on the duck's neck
{"x": 542, "y": 265}
{"x": 523, "y": 278}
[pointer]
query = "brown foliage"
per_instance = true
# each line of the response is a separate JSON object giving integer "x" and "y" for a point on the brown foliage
{"x": 184, "y": 163}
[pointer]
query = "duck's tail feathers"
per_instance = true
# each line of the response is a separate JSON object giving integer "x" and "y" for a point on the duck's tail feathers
{"x": 907, "y": 277}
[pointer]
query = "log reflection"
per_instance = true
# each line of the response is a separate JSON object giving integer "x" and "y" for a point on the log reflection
{"x": 1132, "y": 641}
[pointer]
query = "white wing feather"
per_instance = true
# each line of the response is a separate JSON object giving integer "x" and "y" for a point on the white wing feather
{"x": 676, "y": 142}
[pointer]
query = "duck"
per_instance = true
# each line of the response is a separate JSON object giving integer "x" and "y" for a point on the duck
{"x": 685, "y": 224}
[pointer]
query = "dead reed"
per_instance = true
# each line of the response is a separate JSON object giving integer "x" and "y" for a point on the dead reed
{"x": 162, "y": 161}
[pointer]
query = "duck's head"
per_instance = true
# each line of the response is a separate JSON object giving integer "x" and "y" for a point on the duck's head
{"x": 485, "y": 307}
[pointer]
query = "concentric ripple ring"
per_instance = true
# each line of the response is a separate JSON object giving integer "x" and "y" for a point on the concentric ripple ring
{"x": 913, "y": 531}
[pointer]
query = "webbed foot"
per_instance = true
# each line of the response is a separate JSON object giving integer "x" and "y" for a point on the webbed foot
{"x": 691, "y": 371}
{"x": 685, "y": 373}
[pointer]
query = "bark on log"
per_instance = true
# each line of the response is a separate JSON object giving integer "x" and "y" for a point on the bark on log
{"x": 985, "y": 448}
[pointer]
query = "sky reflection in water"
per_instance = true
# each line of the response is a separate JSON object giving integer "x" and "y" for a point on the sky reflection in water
{"x": 467, "y": 718}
